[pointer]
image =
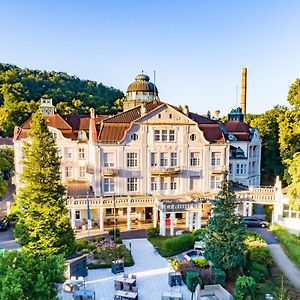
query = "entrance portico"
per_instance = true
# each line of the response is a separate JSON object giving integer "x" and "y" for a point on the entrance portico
{"x": 192, "y": 209}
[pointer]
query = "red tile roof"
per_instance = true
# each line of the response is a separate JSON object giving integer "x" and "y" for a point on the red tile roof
{"x": 212, "y": 132}
{"x": 239, "y": 129}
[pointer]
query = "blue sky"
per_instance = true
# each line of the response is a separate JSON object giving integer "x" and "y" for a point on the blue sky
{"x": 196, "y": 47}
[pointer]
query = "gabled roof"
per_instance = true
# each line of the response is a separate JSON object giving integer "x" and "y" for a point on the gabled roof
{"x": 68, "y": 125}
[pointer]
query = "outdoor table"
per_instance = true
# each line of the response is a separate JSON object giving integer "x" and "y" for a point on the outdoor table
{"x": 127, "y": 281}
{"x": 175, "y": 278}
{"x": 172, "y": 295}
{"x": 123, "y": 295}
{"x": 83, "y": 295}
{"x": 117, "y": 266}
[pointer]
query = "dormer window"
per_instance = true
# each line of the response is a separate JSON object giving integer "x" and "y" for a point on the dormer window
{"x": 82, "y": 135}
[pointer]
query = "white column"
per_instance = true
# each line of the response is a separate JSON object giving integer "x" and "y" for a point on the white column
{"x": 73, "y": 218}
{"x": 172, "y": 217}
{"x": 162, "y": 230}
{"x": 101, "y": 219}
{"x": 191, "y": 217}
{"x": 198, "y": 219}
{"x": 250, "y": 208}
{"x": 187, "y": 219}
{"x": 129, "y": 218}
{"x": 245, "y": 204}
{"x": 154, "y": 216}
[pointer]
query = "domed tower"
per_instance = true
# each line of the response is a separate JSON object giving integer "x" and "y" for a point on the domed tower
{"x": 140, "y": 91}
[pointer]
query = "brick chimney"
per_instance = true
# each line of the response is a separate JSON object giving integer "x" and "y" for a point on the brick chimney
{"x": 92, "y": 127}
{"x": 244, "y": 92}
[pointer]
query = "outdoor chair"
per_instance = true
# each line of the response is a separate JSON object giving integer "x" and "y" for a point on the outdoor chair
{"x": 133, "y": 276}
{"x": 125, "y": 275}
{"x": 118, "y": 285}
{"x": 135, "y": 289}
{"x": 126, "y": 288}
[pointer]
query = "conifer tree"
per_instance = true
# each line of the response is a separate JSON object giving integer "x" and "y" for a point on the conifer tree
{"x": 43, "y": 227}
{"x": 225, "y": 231}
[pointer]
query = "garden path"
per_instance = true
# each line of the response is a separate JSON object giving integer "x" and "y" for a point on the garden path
{"x": 151, "y": 270}
{"x": 286, "y": 265}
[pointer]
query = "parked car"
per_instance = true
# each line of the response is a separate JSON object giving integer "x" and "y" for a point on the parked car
{"x": 254, "y": 222}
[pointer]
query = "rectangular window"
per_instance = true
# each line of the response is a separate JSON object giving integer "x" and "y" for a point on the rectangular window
{"x": 156, "y": 135}
{"x": 216, "y": 158}
{"x": 195, "y": 158}
{"x": 82, "y": 172}
{"x": 108, "y": 184}
{"x": 153, "y": 183}
{"x": 195, "y": 183}
{"x": 109, "y": 211}
{"x": 132, "y": 160}
{"x": 163, "y": 183}
{"x": 230, "y": 169}
{"x": 68, "y": 172}
{"x": 132, "y": 185}
{"x": 81, "y": 153}
{"x": 108, "y": 159}
{"x": 164, "y": 135}
{"x": 153, "y": 159}
{"x": 171, "y": 135}
{"x": 237, "y": 169}
{"x": 173, "y": 183}
{"x": 68, "y": 153}
{"x": 163, "y": 159}
{"x": 243, "y": 169}
{"x": 173, "y": 159}
{"x": 215, "y": 182}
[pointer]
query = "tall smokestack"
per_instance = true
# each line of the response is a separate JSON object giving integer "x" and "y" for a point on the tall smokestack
{"x": 244, "y": 91}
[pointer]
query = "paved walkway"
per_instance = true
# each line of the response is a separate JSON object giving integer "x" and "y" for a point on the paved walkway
{"x": 151, "y": 270}
{"x": 7, "y": 240}
{"x": 290, "y": 270}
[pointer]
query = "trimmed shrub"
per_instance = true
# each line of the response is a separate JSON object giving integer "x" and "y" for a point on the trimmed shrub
{"x": 257, "y": 276}
{"x": 153, "y": 232}
{"x": 176, "y": 245}
{"x": 254, "y": 266}
{"x": 192, "y": 280}
{"x": 245, "y": 288}
{"x": 220, "y": 276}
{"x": 199, "y": 234}
{"x": 111, "y": 233}
{"x": 118, "y": 241}
{"x": 201, "y": 263}
{"x": 207, "y": 276}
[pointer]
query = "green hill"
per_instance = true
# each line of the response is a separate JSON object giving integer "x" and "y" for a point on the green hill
{"x": 22, "y": 89}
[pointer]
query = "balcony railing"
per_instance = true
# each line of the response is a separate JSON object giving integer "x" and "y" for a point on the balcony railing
{"x": 109, "y": 172}
{"x": 165, "y": 171}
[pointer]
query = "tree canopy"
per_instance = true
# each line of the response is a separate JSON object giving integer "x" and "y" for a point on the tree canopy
{"x": 22, "y": 89}
{"x": 27, "y": 276}
{"x": 43, "y": 226}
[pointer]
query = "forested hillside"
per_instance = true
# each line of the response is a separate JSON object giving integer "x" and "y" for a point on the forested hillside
{"x": 22, "y": 89}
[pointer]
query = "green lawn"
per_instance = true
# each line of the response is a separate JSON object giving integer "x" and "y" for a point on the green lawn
{"x": 290, "y": 242}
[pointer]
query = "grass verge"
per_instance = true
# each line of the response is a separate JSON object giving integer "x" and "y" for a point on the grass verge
{"x": 290, "y": 242}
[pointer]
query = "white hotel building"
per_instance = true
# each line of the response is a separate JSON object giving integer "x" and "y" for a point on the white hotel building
{"x": 150, "y": 155}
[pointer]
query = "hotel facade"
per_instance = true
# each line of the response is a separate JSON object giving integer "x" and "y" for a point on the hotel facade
{"x": 149, "y": 163}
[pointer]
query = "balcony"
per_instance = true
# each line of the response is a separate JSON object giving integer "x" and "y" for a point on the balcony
{"x": 165, "y": 171}
{"x": 110, "y": 172}
{"x": 218, "y": 169}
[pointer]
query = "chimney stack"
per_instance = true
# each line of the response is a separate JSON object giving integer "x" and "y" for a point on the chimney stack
{"x": 244, "y": 91}
{"x": 185, "y": 110}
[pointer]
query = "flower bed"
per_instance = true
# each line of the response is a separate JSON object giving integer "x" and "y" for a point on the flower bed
{"x": 102, "y": 251}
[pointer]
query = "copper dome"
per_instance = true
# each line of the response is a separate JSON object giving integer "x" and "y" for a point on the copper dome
{"x": 142, "y": 84}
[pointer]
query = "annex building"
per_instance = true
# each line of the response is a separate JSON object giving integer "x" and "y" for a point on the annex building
{"x": 150, "y": 162}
